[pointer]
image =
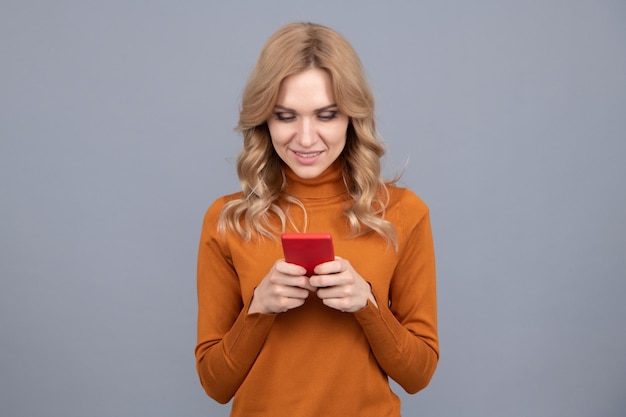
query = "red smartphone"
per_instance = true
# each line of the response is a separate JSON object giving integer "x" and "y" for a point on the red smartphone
{"x": 308, "y": 249}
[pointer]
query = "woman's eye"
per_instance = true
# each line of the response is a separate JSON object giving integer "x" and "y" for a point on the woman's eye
{"x": 327, "y": 115}
{"x": 284, "y": 117}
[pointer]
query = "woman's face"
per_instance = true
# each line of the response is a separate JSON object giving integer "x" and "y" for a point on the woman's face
{"x": 308, "y": 131}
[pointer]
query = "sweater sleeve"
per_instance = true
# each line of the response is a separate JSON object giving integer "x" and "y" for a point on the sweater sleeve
{"x": 403, "y": 332}
{"x": 229, "y": 339}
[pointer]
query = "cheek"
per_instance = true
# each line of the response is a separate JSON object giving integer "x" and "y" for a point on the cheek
{"x": 338, "y": 134}
{"x": 278, "y": 134}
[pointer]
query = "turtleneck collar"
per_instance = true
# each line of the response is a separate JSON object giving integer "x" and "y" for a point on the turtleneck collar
{"x": 328, "y": 184}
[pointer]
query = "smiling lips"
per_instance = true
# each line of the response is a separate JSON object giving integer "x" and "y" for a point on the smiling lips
{"x": 307, "y": 155}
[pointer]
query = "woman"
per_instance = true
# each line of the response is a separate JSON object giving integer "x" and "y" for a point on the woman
{"x": 278, "y": 341}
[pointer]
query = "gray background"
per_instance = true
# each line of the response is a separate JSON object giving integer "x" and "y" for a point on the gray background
{"x": 116, "y": 126}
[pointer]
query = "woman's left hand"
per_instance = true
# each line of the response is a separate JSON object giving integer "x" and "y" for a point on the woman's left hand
{"x": 341, "y": 287}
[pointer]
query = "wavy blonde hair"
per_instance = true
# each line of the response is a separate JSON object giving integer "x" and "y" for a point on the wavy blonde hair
{"x": 290, "y": 50}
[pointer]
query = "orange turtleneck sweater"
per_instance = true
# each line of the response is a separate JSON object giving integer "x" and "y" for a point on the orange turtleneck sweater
{"x": 314, "y": 360}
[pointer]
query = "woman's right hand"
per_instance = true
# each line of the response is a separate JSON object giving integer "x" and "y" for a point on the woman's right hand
{"x": 285, "y": 287}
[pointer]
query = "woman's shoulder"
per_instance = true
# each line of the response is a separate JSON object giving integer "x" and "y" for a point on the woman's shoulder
{"x": 214, "y": 210}
{"x": 408, "y": 213}
{"x": 225, "y": 199}
{"x": 405, "y": 197}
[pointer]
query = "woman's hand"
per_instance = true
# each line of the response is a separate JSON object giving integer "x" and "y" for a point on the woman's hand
{"x": 341, "y": 287}
{"x": 285, "y": 287}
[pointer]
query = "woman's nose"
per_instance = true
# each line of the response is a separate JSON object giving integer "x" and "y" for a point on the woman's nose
{"x": 306, "y": 134}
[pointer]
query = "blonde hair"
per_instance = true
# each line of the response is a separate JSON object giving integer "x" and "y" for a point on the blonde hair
{"x": 290, "y": 50}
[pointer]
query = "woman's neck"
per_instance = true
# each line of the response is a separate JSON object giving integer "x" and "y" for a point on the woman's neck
{"x": 329, "y": 183}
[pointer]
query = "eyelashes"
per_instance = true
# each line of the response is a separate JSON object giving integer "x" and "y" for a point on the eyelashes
{"x": 284, "y": 117}
{"x": 327, "y": 115}
{"x": 288, "y": 117}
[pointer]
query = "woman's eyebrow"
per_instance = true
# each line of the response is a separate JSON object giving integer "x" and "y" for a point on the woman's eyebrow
{"x": 321, "y": 109}
{"x": 330, "y": 106}
{"x": 287, "y": 109}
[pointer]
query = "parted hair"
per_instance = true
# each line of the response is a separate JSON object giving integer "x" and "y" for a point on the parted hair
{"x": 293, "y": 49}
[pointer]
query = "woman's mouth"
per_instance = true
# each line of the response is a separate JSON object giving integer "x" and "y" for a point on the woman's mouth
{"x": 307, "y": 155}
{"x": 307, "y": 158}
